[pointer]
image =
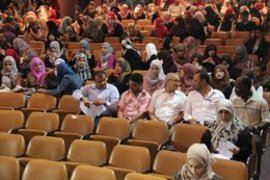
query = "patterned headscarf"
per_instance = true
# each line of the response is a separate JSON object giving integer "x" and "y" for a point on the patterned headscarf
{"x": 85, "y": 44}
{"x": 20, "y": 45}
{"x": 225, "y": 131}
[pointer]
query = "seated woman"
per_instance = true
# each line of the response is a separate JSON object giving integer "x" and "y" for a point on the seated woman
{"x": 151, "y": 54}
{"x": 11, "y": 78}
{"x": 82, "y": 68}
{"x": 155, "y": 77}
{"x": 198, "y": 165}
{"x": 121, "y": 74}
{"x": 107, "y": 58}
{"x": 68, "y": 81}
{"x": 186, "y": 74}
{"x": 228, "y": 129}
{"x": 134, "y": 34}
{"x": 210, "y": 58}
{"x": 221, "y": 80}
{"x": 38, "y": 71}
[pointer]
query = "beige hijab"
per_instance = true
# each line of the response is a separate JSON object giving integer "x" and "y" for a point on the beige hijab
{"x": 201, "y": 153}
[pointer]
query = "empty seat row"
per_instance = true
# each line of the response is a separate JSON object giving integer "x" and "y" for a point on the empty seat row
{"x": 131, "y": 160}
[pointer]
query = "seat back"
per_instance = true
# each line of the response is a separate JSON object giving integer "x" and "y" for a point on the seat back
{"x": 159, "y": 132}
{"x": 9, "y": 168}
{"x": 12, "y": 145}
{"x": 44, "y": 147}
{"x": 168, "y": 162}
{"x": 45, "y": 170}
{"x": 87, "y": 152}
{"x": 10, "y": 120}
{"x": 240, "y": 35}
{"x": 130, "y": 157}
{"x": 137, "y": 176}
{"x": 42, "y": 101}
{"x": 80, "y": 124}
{"x": 184, "y": 135}
{"x": 92, "y": 173}
{"x": 68, "y": 103}
{"x": 12, "y": 100}
{"x": 113, "y": 127}
{"x": 213, "y": 41}
{"x": 42, "y": 121}
{"x": 230, "y": 169}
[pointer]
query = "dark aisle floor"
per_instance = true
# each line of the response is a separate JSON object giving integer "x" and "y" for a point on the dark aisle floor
{"x": 265, "y": 175}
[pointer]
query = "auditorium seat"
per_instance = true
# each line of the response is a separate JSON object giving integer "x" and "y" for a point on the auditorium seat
{"x": 230, "y": 169}
{"x": 150, "y": 134}
{"x": 12, "y": 145}
{"x": 240, "y": 35}
{"x": 111, "y": 131}
{"x": 9, "y": 168}
{"x": 39, "y": 123}
{"x": 143, "y": 22}
{"x": 75, "y": 127}
{"x": 44, "y": 147}
{"x": 86, "y": 152}
{"x": 138, "y": 176}
{"x": 67, "y": 105}
{"x": 167, "y": 163}
{"x": 38, "y": 169}
{"x": 12, "y": 100}
{"x": 213, "y": 41}
{"x": 11, "y": 120}
{"x": 40, "y": 102}
{"x": 125, "y": 159}
{"x": 184, "y": 135}
{"x": 92, "y": 173}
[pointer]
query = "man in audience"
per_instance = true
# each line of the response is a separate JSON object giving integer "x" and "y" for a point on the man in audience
{"x": 202, "y": 103}
{"x": 176, "y": 9}
{"x": 168, "y": 104}
{"x": 98, "y": 99}
{"x": 135, "y": 101}
{"x": 250, "y": 109}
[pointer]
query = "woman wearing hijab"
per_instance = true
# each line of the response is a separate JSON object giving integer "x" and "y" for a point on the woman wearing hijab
{"x": 167, "y": 61}
{"x": 85, "y": 49}
{"x": 11, "y": 78}
{"x": 198, "y": 165}
{"x": 66, "y": 21}
{"x": 131, "y": 54}
{"x": 38, "y": 71}
{"x": 107, "y": 58}
{"x": 155, "y": 77}
{"x": 68, "y": 81}
{"x": 121, "y": 74}
{"x": 186, "y": 74}
{"x": 228, "y": 128}
{"x": 115, "y": 29}
{"x": 124, "y": 13}
{"x": 93, "y": 33}
{"x": 160, "y": 30}
{"x": 55, "y": 54}
{"x": 221, "y": 80}
{"x": 151, "y": 54}
{"x": 82, "y": 68}
{"x": 191, "y": 48}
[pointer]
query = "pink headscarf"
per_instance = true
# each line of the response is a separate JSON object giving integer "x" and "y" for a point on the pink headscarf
{"x": 39, "y": 75}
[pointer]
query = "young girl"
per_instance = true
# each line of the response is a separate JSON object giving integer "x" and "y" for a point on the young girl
{"x": 11, "y": 78}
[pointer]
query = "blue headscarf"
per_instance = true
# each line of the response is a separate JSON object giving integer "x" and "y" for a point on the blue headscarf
{"x": 62, "y": 70}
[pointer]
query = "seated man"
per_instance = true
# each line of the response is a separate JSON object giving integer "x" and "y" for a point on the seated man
{"x": 98, "y": 99}
{"x": 202, "y": 102}
{"x": 135, "y": 101}
{"x": 168, "y": 104}
{"x": 249, "y": 108}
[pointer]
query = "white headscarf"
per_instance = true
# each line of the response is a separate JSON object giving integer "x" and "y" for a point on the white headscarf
{"x": 150, "y": 49}
{"x": 14, "y": 69}
{"x": 161, "y": 76}
{"x": 201, "y": 153}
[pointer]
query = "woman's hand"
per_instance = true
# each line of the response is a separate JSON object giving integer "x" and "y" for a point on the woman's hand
{"x": 235, "y": 150}
{"x": 40, "y": 90}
